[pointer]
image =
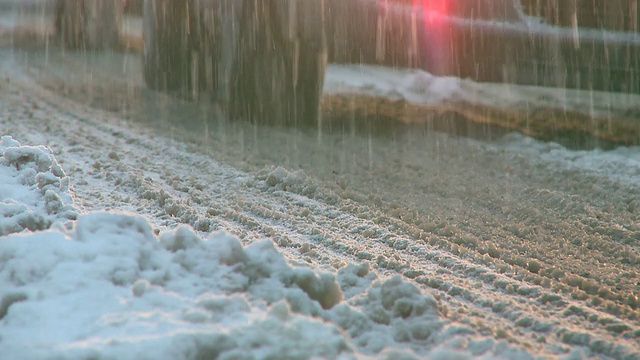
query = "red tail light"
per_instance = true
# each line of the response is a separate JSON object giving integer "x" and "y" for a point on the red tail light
{"x": 433, "y": 6}
{"x": 436, "y": 33}
{"x": 427, "y": 6}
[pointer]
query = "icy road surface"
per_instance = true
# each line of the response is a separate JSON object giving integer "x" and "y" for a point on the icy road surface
{"x": 349, "y": 243}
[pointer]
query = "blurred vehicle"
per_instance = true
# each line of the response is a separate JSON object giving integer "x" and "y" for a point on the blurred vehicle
{"x": 133, "y": 7}
{"x": 587, "y": 44}
{"x": 265, "y": 59}
{"x": 88, "y": 24}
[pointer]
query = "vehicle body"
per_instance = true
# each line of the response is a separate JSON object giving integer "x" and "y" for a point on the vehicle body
{"x": 265, "y": 59}
{"x": 588, "y": 44}
{"x": 89, "y": 24}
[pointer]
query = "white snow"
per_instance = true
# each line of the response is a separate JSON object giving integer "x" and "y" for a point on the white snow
{"x": 77, "y": 284}
{"x": 314, "y": 269}
{"x": 420, "y": 87}
{"x": 411, "y": 85}
{"x": 621, "y": 164}
{"x": 34, "y": 192}
{"x": 106, "y": 286}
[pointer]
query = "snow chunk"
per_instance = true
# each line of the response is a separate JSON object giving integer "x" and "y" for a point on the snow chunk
{"x": 281, "y": 179}
{"x": 35, "y": 189}
{"x": 355, "y": 279}
{"x": 6, "y": 142}
{"x": 179, "y": 239}
{"x": 106, "y": 226}
{"x": 423, "y": 87}
{"x": 40, "y": 158}
{"x": 321, "y": 287}
{"x": 391, "y": 313}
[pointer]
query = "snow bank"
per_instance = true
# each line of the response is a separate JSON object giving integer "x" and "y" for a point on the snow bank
{"x": 109, "y": 288}
{"x": 421, "y": 87}
{"x": 407, "y": 84}
{"x": 621, "y": 164}
{"x": 106, "y": 286}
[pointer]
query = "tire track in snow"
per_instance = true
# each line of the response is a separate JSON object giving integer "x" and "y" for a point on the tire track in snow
{"x": 330, "y": 223}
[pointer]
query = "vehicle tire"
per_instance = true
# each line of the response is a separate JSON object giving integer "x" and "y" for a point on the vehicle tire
{"x": 278, "y": 74}
{"x": 133, "y": 7}
{"x": 88, "y": 24}
{"x": 167, "y": 51}
{"x": 70, "y": 23}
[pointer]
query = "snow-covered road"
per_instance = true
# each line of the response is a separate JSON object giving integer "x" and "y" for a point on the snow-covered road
{"x": 384, "y": 242}
{"x": 528, "y": 248}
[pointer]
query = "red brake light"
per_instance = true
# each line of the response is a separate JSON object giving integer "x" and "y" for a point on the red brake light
{"x": 433, "y": 6}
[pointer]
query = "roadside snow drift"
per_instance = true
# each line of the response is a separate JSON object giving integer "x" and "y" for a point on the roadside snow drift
{"x": 107, "y": 287}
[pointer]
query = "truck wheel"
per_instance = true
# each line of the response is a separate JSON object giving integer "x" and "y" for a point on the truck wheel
{"x": 278, "y": 75}
{"x": 167, "y": 54}
{"x": 70, "y": 23}
{"x": 88, "y": 24}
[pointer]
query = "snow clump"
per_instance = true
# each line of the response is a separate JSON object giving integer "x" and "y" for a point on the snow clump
{"x": 35, "y": 189}
{"x": 119, "y": 291}
{"x": 278, "y": 178}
